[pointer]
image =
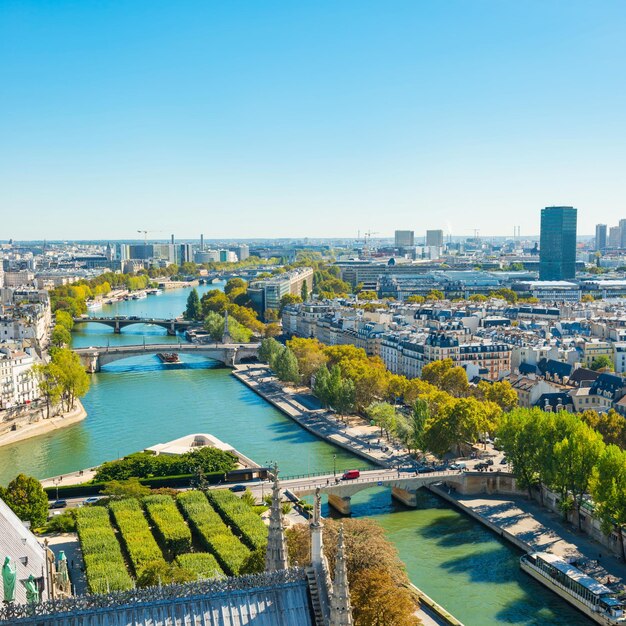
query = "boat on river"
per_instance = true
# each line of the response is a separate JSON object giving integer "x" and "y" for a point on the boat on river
{"x": 154, "y": 292}
{"x": 588, "y": 595}
{"x": 169, "y": 358}
{"x": 94, "y": 305}
{"x": 139, "y": 295}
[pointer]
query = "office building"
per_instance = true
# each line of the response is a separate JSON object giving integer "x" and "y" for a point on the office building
{"x": 242, "y": 251}
{"x": 557, "y": 253}
{"x": 405, "y": 239}
{"x": 615, "y": 237}
{"x": 434, "y": 238}
{"x": 622, "y": 229}
{"x": 600, "y": 236}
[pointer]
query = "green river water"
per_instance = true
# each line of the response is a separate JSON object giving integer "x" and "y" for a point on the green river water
{"x": 138, "y": 402}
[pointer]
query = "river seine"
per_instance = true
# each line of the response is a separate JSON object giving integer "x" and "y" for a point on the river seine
{"x": 135, "y": 403}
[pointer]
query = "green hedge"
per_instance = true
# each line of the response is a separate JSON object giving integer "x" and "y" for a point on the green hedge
{"x": 105, "y": 569}
{"x": 169, "y": 525}
{"x": 201, "y": 563}
{"x": 94, "y": 489}
{"x": 241, "y": 516}
{"x": 139, "y": 542}
{"x": 212, "y": 532}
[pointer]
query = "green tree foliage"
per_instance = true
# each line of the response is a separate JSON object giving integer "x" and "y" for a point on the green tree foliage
{"x": 27, "y": 499}
{"x": 268, "y": 350}
{"x": 608, "y": 488}
{"x": 611, "y": 425}
{"x": 214, "y": 325}
{"x": 147, "y": 465}
{"x": 235, "y": 285}
{"x": 287, "y": 299}
{"x": 435, "y": 294}
{"x": 416, "y": 299}
{"x": 49, "y": 378}
{"x": 69, "y": 373}
{"x": 506, "y": 294}
{"x": 304, "y": 291}
{"x": 310, "y": 355}
{"x": 122, "y": 489}
{"x": 161, "y": 573}
{"x": 602, "y": 362}
{"x": 285, "y": 366}
{"x": 384, "y": 415}
{"x": 477, "y": 297}
{"x": 63, "y": 318}
{"x": 368, "y": 295}
{"x": 447, "y": 377}
{"x": 193, "y": 310}
{"x": 502, "y": 393}
{"x": 60, "y": 336}
{"x": 412, "y": 430}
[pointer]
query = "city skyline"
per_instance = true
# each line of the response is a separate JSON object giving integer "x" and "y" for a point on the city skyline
{"x": 310, "y": 121}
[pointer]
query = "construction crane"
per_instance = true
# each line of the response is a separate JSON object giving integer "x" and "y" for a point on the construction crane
{"x": 145, "y": 235}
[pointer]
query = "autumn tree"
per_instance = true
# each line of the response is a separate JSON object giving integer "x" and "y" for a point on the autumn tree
{"x": 502, "y": 393}
{"x": 447, "y": 377}
{"x": 310, "y": 355}
{"x": 72, "y": 378}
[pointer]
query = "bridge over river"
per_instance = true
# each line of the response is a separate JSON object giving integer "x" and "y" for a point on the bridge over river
{"x": 93, "y": 358}
{"x": 117, "y": 323}
{"x": 403, "y": 484}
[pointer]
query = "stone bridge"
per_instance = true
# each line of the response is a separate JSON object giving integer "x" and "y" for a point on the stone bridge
{"x": 227, "y": 353}
{"x": 117, "y": 323}
{"x": 404, "y": 485}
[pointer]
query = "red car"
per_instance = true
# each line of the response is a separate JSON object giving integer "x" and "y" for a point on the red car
{"x": 350, "y": 475}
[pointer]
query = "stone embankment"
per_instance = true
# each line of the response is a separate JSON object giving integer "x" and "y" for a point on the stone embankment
{"x": 34, "y": 423}
{"x": 354, "y": 435}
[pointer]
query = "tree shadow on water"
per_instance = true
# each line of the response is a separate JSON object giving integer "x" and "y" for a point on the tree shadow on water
{"x": 450, "y": 532}
{"x": 537, "y": 610}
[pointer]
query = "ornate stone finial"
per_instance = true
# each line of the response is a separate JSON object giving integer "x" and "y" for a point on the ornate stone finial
{"x": 340, "y": 608}
{"x": 316, "y": 526}
{"x": 276, "y": 555}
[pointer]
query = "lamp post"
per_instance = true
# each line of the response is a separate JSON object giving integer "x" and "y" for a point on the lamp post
{"x": 334, "y": 466}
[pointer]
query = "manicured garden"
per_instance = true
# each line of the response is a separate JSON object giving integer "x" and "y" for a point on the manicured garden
{"x": 134, "y": 539}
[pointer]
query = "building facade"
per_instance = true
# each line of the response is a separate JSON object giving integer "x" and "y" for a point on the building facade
{"x": 557, "y": 253}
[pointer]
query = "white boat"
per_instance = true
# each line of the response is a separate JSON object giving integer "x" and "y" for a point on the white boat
{"x": 139, "y": 295}
{"x": 585, "y": 593}
{"x": 154, "y": 292}
{"x": 94, "y": 305}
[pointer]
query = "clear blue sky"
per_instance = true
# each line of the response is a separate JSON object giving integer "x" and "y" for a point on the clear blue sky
{"x": 260, "y": 118}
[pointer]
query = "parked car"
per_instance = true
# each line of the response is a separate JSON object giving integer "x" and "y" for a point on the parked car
{"x": 481, "y": 466}
{"x": 458, "y": 466}
{"x": 504, "y": 461}
{"x": 350, "y": 475}
{"x": 237, "y": 488}
{"x": 489, "y": 461}
{"x": 425, "y": 470}
{"x": 58, "y": 504}
{"x": 91, "y": 500}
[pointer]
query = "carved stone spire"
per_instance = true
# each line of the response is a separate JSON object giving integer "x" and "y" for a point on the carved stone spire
{"x": 276, "y": 555}
{"x": 316, "y": 526}
{"x": 340, "y": 608}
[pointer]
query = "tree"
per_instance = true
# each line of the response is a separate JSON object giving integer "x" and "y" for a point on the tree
{"x": 285, "y": 366}
{"x": 602, "y": 362}
{"x": 287, "y": 299}
{"x": 63, "y": 318}
{"x": 506, "y": 294}
{"x": 60, "y": 336}
{"x": 161, "y": 573}
{"x": 345, "y": 397}
{"x": 268, "y": 349}
{"x": 377, "y": 600}
{"x": 384, "y": 416}
{"x": 447, "y": 377}
{"x": 368, "y": 295}
{"x": 49, "y": 381}
{"x": 502, "y": 393}
{"x": 416, "y": 426}
{"x": 608, "y": 489}
{"x": 272, "y": 330}
{"x": 234, "y": 284}
{"x": 478, "y": 297}
{"x": 27, "y": 499}
{"x": 73, "y": 379}
{"x": 130, "y": 488}
{"x": 321, "y": 385}
{"x": 310, "y": 355}
{"x": 416, "y": 299}
{"x": 586, "y": 297}
{"x": 519, "y": 433}
{"x": 193, "y": 311}
{"x": 435, "y": 294}
{"x": 214, "y": 325}
{"x": 304, "y": 291}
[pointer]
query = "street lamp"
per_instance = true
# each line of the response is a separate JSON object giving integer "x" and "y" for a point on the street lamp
{"x": 334, "y": 466}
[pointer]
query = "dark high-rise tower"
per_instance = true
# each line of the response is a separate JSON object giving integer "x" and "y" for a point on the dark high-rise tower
{"x": 557, "y": 254}
{"x": 600, "y": 236}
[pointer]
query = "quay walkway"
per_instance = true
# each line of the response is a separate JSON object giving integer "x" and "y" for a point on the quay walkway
{"x": 532, "y": 527}
{"x": 356, "y": 436}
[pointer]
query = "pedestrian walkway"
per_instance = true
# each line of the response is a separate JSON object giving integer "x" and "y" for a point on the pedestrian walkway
{"x": 69, "y": 544}
{"x": 353, "y": 434}
{"x": 542, "y": 530}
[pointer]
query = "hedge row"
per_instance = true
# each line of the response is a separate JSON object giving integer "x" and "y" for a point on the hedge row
{"x": 135, "y": 531}
{"x": 104, "y": 564}
{"x": 201, "y": 563}
{"x": 241, "y": 516}
{"x": 212, "y": 532}
{"x": 169, "y": 525}
{"x": 94, "y": 489}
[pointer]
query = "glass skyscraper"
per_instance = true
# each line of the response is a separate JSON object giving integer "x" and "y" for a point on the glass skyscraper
{"x": 557, "y": 254}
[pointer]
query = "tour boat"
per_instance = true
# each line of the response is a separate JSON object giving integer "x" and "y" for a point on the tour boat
{"x": 168, "y": 357}
{"x": 139, "y": 295}
{"x": 154, "y": 292}
{"x": 585, "y": 593}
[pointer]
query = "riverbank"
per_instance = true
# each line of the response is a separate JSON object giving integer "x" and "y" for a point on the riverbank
{"x": 355, "y": 436}
{"x": 26, "y": 428}
{"x": 532, "y": 528}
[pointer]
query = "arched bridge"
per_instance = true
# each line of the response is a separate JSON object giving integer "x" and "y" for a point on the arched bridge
{"x": 403, "y": 485}
{"x": 227, "y": 353}
{"x": 117, "y": 323}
